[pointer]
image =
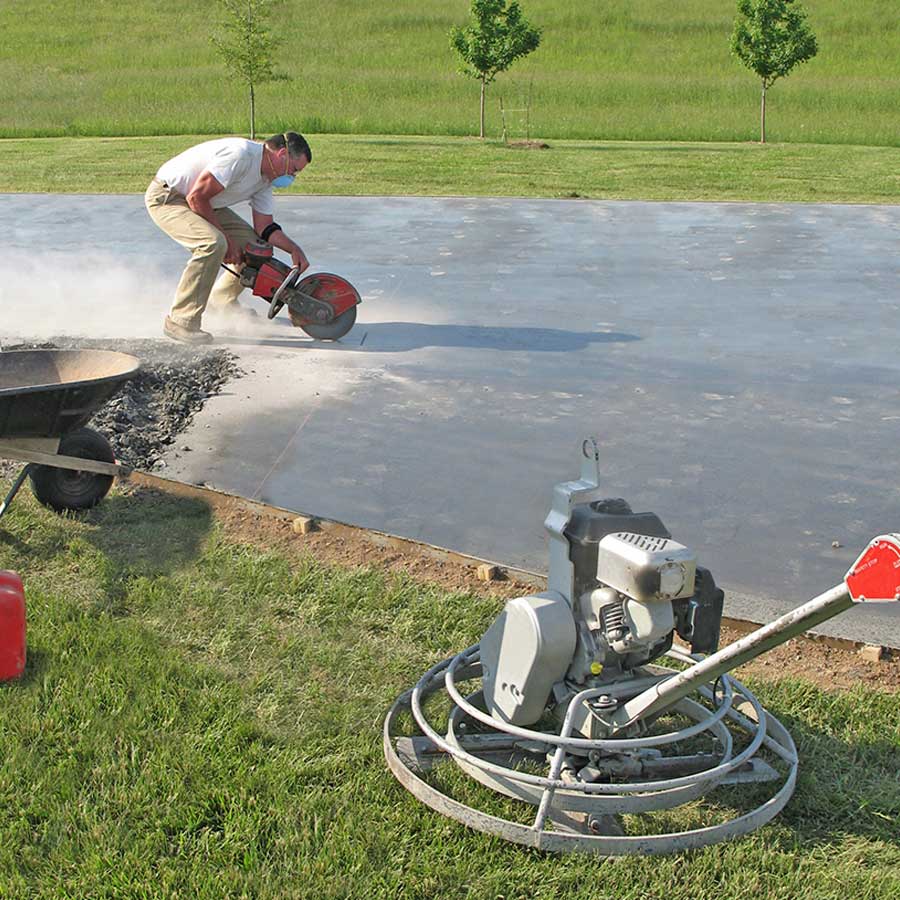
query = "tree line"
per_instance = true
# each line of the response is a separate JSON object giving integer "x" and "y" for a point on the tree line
{"x": 770, "y": 37}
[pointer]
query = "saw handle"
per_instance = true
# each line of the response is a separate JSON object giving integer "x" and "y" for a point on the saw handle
{"x": 276, "y": 302}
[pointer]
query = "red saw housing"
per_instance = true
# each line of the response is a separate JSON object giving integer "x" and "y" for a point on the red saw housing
{"x": 323, "y": 305}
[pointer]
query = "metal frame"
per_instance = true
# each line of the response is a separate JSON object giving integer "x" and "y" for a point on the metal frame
{"x": 566, "y": 496}
{"x": 569, "y": 811}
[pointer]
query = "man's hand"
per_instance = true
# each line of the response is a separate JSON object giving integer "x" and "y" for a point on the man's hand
{"x": 298, "y": 258}
{"x": 234, "y": 254}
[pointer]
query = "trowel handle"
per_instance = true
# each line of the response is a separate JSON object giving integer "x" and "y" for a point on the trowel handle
{"x": 669, "y": 692}
{"x": 874, "y": 577}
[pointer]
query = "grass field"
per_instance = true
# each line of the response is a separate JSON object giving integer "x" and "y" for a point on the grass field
{"x": 202, "y": 718}
{"x": 644, "y": 70}
{"x": 441, "y": 166}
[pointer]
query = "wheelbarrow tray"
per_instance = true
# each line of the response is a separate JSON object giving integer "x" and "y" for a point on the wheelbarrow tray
{"x": 48, "y": 393}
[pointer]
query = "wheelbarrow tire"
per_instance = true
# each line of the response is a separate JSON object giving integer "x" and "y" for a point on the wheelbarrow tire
{"x": 63, "y": 489}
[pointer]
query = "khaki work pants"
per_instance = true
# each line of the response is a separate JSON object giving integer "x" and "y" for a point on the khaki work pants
{"x": 207, "y": 245}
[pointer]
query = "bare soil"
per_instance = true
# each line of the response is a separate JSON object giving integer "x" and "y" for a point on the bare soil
{"x": 528, "y": 145}
{"x": 827, "y": 663}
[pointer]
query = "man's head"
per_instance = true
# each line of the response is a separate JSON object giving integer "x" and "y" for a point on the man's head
{"x": 288, "y": 154}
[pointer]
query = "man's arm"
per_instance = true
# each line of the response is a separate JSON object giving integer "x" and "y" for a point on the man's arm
{"x": 280, "y": 240}
{"x": 199, "y": 200}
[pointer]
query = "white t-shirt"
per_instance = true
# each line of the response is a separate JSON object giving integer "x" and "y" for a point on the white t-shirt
{"x": 233, "y": 162}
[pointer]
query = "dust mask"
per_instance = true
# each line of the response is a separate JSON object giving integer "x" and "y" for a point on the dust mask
{"x": 283, "y": 181}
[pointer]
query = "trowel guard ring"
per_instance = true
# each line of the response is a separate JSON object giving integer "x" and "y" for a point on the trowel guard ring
{"x": 557, "y": 799}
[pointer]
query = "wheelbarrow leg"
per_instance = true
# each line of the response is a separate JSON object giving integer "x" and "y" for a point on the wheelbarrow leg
{"x": 20, "y": 480}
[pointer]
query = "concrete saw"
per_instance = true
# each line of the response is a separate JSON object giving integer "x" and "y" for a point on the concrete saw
{"x": 323, "y": 305}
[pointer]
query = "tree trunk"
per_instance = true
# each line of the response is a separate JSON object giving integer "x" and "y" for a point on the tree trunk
{"x": 762, "y": 116}
{"x": 483, "y": 86}
{"x": 252, "y": 96}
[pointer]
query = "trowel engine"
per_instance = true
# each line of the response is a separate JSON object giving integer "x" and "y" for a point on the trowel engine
{"x": 323, "y": 305}
{"x": 634, "y": 589}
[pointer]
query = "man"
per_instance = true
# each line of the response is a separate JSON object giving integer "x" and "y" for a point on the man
{"x": 189, "y": 199}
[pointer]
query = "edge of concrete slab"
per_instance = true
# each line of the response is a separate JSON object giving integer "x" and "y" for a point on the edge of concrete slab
{"x": 384, "y": 539}
{"x": 380, "y": 538}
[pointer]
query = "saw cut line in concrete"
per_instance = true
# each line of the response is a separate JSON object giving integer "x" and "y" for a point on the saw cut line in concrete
{"x": 255, "y": 495}
{"x": 737, "y": 362}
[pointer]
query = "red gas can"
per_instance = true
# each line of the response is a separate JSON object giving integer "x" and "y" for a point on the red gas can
{"x": 12, "y": 625}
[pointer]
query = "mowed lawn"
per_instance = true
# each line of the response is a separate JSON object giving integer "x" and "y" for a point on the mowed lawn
{"x": 202, "y": 718}
{"x": 647, "y": 70}
{"x": 451, "y": 166}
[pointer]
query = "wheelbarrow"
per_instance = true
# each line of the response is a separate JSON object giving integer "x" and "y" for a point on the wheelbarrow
{"x": 46, "y": 398}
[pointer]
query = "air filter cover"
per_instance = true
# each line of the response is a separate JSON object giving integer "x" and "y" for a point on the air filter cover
{"x": 647, "y": 569}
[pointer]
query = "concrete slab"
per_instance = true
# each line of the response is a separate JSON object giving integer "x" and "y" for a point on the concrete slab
{"x": 736, "y": 361}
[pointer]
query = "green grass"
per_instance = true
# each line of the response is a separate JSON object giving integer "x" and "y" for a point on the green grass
{"x": 202, "y": 718}
{"x": 441, "y": 166}
{"x": 617, "y": 70}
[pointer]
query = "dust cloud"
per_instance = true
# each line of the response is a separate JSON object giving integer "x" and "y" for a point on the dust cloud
{"x": 102, "y": 296}
{"x": 97, "y": 296}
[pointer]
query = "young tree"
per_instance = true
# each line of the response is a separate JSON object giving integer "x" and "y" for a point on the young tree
{"x": 770, "y": 37}
{"x": 496, "y": 36}
{"x": 246, "y": 46}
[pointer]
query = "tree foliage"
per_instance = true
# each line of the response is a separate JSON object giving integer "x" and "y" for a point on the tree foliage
{"x": 246, "y": 45}
{"x": 771, "y": 37}
{"x": 497, "y": 35}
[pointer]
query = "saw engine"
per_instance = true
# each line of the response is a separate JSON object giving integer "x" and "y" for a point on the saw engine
{"x": 564, "y": 704}
{"x": 323, "y": 305}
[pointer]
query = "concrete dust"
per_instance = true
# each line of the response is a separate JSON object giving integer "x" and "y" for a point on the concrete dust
{"x": 94, "y": 295}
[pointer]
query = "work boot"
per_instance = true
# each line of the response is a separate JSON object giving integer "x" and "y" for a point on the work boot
{"x": 178, "y": 332}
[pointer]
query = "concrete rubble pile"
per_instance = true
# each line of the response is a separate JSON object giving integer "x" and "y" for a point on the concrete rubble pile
{"x": 144, "y": 419}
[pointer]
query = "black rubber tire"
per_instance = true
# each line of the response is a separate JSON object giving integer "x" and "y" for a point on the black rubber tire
{"x": 62, "y": 489}
{"x": 333, "y": 330}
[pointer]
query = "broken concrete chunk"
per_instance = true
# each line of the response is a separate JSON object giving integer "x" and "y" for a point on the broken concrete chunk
{"x": 487, "y": 572}
{"x": 873, "y": 652}
{"x": 303, "y": 525}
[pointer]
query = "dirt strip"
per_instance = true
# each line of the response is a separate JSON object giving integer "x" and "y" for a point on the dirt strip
{"x": 827, "y": 662}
